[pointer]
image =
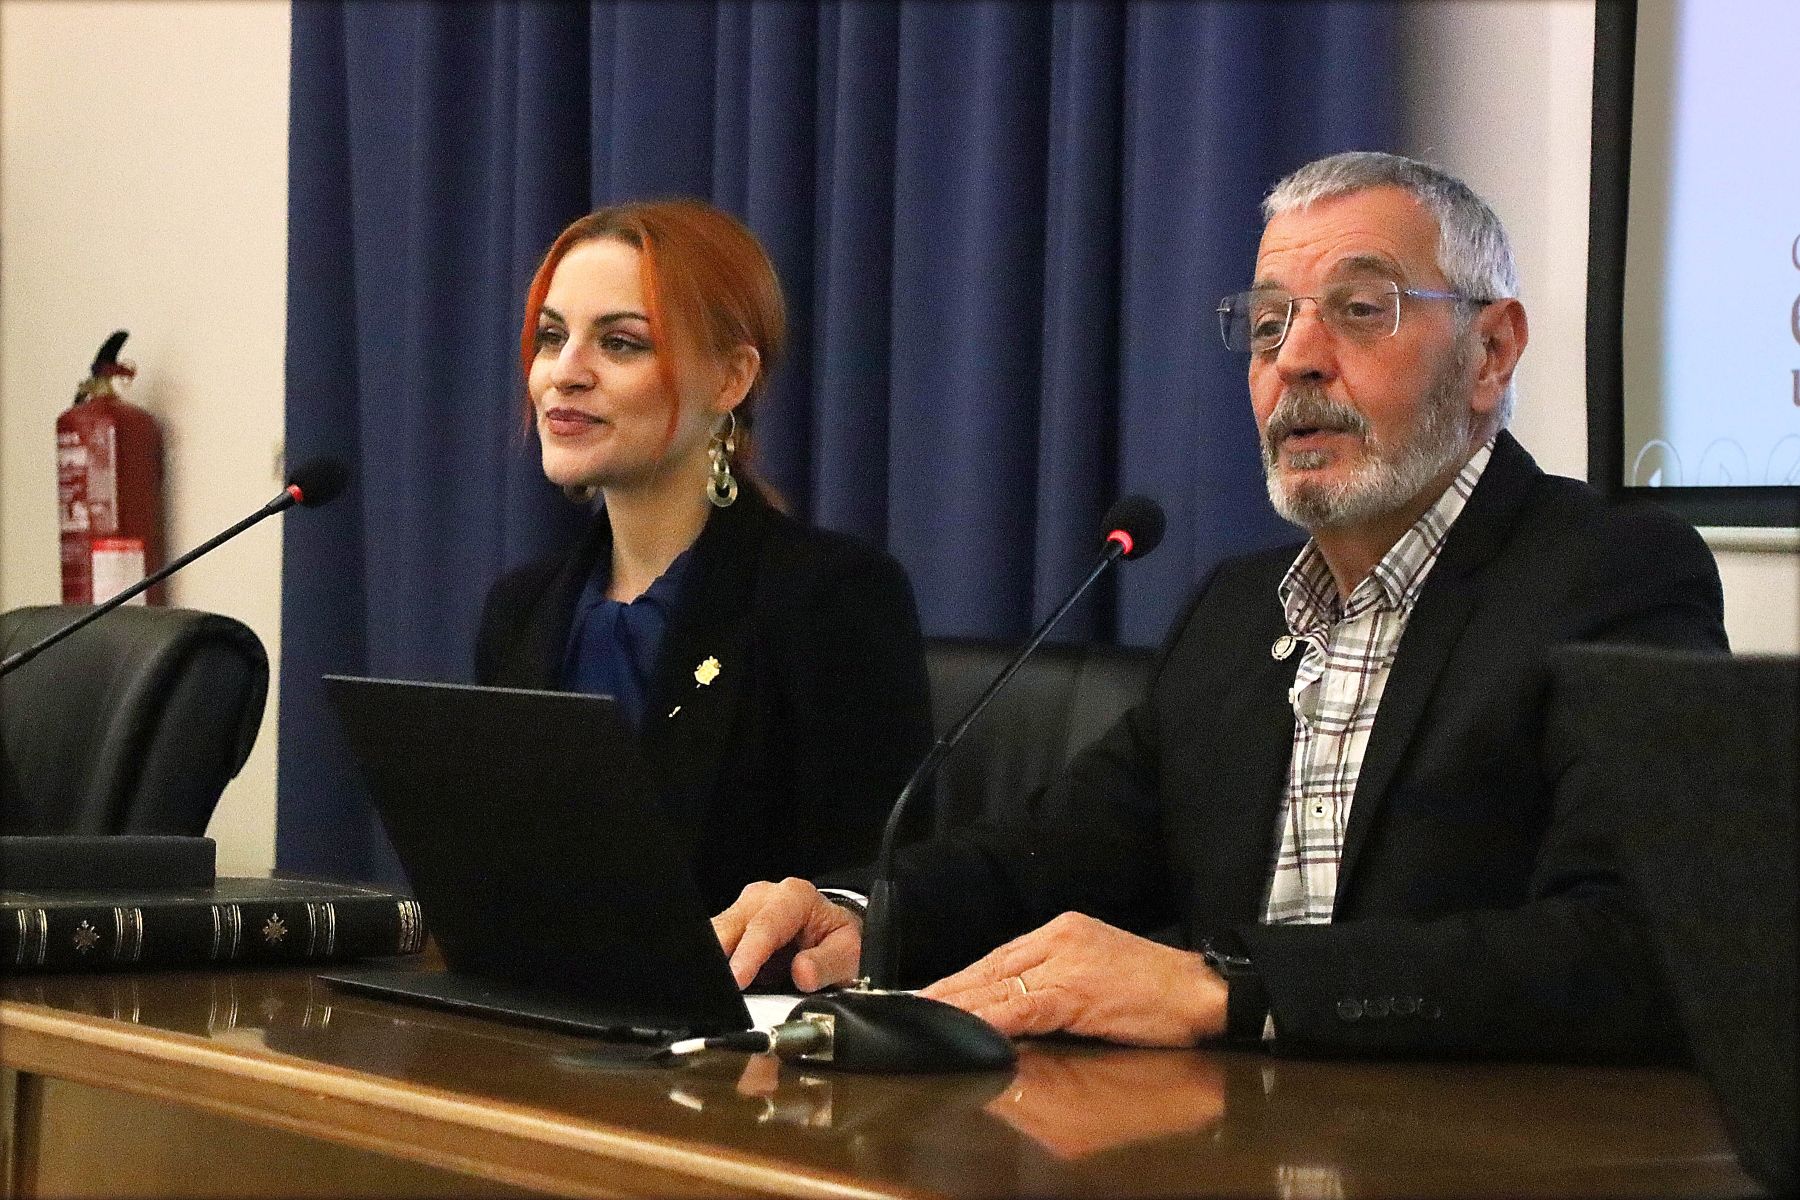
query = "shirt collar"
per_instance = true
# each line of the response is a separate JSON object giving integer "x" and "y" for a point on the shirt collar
{"x": 663, "y": 594}
{"x": 1309, "y": 594}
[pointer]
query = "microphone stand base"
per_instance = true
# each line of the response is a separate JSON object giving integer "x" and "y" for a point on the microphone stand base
{"x": 899, "y": 1032}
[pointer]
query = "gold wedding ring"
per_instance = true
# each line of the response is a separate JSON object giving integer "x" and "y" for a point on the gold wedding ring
{"x": 1023, "y": 989}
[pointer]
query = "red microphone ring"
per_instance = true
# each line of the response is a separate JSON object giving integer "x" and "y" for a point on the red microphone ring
{"x": 1123, "y": 538}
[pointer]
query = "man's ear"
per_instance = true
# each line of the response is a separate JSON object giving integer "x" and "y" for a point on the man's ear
{"x": 1503, "y": 332}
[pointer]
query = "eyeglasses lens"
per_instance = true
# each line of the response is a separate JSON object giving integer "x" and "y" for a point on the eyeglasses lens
{"x": 1257, "y": 321}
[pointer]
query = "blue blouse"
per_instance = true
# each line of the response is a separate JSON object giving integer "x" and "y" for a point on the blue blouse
{"x": 612, "y": 646}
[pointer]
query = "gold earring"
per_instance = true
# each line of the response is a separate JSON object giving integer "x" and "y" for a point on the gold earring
{"x": 721, "y": 488}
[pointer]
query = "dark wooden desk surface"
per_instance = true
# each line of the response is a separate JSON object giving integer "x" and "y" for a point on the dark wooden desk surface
{"x": 523, "y": 1108}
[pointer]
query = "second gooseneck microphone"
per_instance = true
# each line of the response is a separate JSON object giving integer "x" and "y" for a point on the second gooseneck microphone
{"x": 1134, "y": 525}
{"x": 311, "y": 484}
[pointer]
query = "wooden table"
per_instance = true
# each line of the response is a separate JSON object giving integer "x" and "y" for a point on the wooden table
{"x": 273, "y": 1083}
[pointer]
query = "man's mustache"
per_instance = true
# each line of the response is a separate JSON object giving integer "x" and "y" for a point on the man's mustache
{"x": 1310, "y": 408}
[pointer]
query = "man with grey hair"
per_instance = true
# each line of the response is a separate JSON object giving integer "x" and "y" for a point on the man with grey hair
{"x": 1333, "y": 822}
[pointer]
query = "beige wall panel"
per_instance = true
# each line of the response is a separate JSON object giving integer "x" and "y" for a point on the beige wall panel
{"x": 143, "y": 186}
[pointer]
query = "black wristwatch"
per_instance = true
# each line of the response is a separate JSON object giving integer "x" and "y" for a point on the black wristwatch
{"x": 1246, "y": 999}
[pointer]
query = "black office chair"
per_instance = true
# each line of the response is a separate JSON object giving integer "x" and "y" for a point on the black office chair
{"x": 1694, "y": 759}
{"x": 1062, "y": 698}
{"x": 133, "y": 725}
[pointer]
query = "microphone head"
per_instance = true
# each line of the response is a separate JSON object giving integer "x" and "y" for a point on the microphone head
{"x": 317, "y": 481}
{"x": 1136, "y": 523}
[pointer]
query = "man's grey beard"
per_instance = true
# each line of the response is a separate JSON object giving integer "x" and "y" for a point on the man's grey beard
{"x": 1389, "y": 477}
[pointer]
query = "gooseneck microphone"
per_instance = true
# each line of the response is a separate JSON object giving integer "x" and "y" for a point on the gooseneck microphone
{"x": 1134, "y": 525}
{"x": 870, "y": 1026}
{"x": 315, "y": 482}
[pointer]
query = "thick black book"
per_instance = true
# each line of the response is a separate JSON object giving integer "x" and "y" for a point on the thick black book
{"x": 112, "y": 862}
{"x": 261, "y": 922}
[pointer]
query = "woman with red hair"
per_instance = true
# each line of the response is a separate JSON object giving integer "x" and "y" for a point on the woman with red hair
{"x": 774, "y": 672}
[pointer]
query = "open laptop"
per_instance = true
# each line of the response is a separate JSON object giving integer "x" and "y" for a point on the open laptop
{"x": 531, "y": 839}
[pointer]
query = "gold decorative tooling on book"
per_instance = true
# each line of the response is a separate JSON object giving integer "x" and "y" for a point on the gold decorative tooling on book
{"x": 268, "y": 921}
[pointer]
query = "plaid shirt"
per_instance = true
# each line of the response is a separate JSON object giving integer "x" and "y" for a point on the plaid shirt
{"x": 1350, "y": 648}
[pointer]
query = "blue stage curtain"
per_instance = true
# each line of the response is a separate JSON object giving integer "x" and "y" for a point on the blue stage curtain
{"x": 1002, "y": 228}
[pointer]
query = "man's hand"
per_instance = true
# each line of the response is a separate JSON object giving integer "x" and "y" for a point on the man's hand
{"x": 1082, "y": 976}
{"x": 766, "y": 917}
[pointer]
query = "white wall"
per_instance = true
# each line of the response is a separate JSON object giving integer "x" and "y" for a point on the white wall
{"x": 143, "y": 186}
{"x": 143, "y": 175}
{"x": 1500, "y": 92}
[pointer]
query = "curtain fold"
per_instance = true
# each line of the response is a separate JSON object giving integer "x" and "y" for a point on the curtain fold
{"x": 1001, "y": 226}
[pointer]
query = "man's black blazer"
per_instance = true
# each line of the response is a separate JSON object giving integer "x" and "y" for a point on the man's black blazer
{"x": 787, "y": 762}
{"x": 1478, "y": 909}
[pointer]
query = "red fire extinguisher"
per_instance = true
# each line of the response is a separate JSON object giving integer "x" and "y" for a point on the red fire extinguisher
{"x": 109, "y": 485}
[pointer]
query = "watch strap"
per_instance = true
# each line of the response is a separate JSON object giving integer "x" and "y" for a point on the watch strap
{"x": 850, "y": 901}
{"x": 1246, "y": 996}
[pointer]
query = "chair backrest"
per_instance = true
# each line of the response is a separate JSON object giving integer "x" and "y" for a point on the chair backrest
{"x": 1062, "y": 698}
{"x": 1695, "y": 760}
{"x": 133, "y": 725}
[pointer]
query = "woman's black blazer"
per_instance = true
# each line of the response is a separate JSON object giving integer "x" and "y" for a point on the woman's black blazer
{"x": 786, "y": 761}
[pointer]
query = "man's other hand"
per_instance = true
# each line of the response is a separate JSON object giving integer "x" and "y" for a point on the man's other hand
{"x": 766, "y": 917}
{"x": 1082, "y": 976}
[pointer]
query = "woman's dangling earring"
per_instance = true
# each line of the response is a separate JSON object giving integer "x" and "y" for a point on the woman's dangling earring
{"x": 721, "y": 488}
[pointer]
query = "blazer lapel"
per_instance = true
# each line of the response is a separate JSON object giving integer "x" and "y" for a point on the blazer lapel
{"x": 704, "y": 667}
{"x": 1260, "y": 734}
{"x": 1228, "y": 734}
{"x": 539, "y": 652}
{"x": 1437, "y": 621}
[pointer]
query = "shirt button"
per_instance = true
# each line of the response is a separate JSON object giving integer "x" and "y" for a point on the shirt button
{"x": 1349, "y": 1010}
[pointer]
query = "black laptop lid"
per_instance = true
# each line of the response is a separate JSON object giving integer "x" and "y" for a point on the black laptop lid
{"x": 529, "y": 834}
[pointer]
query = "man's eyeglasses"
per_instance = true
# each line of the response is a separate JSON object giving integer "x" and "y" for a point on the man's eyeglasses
{"x": 1257, "y": 321}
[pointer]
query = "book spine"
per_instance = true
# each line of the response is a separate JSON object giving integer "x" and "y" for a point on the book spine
{"x": 62, "y": 937}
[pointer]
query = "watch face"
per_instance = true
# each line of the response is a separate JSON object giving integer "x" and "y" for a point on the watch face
{"x": 1223, "y": 962}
